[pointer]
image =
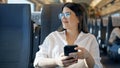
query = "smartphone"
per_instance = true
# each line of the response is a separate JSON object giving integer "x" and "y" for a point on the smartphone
{"x": 69, "y": 49}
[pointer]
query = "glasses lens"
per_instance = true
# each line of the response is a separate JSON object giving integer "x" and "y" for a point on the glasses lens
{"x": 67, "y": 14}
{"x": 61, "y": 15}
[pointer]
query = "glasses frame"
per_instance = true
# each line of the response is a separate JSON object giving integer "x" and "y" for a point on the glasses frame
{"x": 66, "y": 15}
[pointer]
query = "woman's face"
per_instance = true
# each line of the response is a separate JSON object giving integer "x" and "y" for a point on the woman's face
{"x": 69, "y": 19}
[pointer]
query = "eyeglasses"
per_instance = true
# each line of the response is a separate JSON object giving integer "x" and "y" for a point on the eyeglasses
{"x": 66, "y": 15}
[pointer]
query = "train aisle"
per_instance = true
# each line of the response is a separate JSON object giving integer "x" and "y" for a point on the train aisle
{"x": 108, "y": 63}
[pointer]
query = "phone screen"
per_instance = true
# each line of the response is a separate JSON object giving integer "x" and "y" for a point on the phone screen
{"x": 69, "y": 49}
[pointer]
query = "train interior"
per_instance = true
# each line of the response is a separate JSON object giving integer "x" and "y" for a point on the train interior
{"x": 24, "y": 25}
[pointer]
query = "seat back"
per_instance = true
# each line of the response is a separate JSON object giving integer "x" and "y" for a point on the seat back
{"x": 15, "y": 35}
{"x": 96, "y": 28}
{"x": 103, "y": 28}
{"x": 49, "y": 19}
{"x": 109, "y": 30}
{"x": 36, "y": 41}
{"x": 90, "y": 25}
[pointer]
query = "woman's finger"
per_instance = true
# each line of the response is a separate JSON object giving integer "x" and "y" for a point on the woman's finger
{"x": 74, "y": 55}
{"x": 67, "y": 58}
{"x": 79, "y": 48}
{"x": 69, "y": 62}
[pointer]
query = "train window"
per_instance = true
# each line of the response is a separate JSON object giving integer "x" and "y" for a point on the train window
{"x": 105, "y": 21}
{"x": 36, "y": 17}
{"x": 98, "y": 22}
{"x": 115, "y": 19}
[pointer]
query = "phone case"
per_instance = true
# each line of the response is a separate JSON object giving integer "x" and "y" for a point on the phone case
{"x": 69, "y": 49}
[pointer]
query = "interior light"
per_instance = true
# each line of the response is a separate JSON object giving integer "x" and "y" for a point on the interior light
{"x": 94, "y": 3}
{"x": 61, "y": 1}
{"x": 69, "y": 1}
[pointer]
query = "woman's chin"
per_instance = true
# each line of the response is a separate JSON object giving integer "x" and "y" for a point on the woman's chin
{"x": 65, "y": 27}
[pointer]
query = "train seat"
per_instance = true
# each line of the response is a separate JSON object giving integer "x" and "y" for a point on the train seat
{"x": 49, "y": 19}
{"x": 15, "y": 36}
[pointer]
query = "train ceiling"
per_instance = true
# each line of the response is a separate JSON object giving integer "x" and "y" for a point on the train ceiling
{"x": 103, "y": 6}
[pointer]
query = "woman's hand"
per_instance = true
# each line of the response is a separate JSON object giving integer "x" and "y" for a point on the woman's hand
{"x": 69, "y": 61}
{"x": 81, "y": 54}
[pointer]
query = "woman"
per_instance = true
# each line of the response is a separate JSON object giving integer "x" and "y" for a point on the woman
{"x": 51, "y": 53}
{"x": 114, "y": 35}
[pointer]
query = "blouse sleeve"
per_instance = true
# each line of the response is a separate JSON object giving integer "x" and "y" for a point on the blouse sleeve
{"x": 94, "y": 51}
{"x": 42, "y": 59}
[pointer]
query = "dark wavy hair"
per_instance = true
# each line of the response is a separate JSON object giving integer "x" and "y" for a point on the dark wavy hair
{"x": 81, "y": 13}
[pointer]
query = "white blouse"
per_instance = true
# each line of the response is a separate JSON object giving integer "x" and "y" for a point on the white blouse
{"x": 52, "y": 50}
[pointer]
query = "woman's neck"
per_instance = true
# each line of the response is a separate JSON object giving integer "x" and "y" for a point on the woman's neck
{"x": 72, "y": 32}
{"x": 71, "y": 36}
